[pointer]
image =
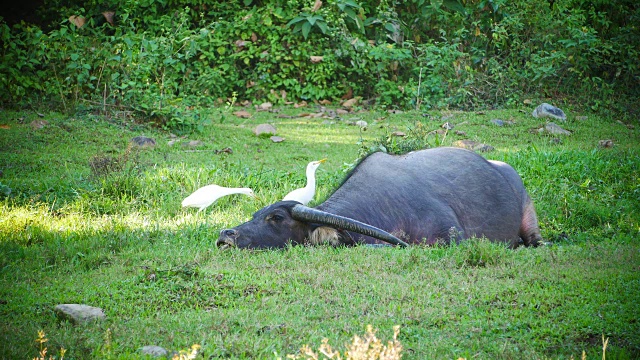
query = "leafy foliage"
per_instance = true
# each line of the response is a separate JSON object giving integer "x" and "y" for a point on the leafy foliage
{"x": 160, "y": 60}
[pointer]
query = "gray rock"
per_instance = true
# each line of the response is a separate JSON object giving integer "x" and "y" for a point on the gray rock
{"x": 553, "y": 128}
{"x": 193, "y": 143}
{"x": 549, "y": 110}
{"x": 143, "y": 142}
{"x": 498, "y": 122}
{"x": 605, "y": 143}
{"x": 153, "y": 350}
{"x": 361, "y": 123}
{"x": 473, "y": 145}
{"x": 629, "y": 126}
{"x": 264, "y": 129}
{"x": 79, "y": 314}
{"x": 447, "y": 126}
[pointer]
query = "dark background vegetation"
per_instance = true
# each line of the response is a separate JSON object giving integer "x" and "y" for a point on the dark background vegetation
{"x": 160, "y": 59}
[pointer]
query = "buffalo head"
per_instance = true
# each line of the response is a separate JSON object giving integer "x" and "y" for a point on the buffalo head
{"x": 289, "y": 222}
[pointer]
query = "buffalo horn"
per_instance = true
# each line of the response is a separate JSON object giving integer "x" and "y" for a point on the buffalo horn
{"x": 304, "y": 213}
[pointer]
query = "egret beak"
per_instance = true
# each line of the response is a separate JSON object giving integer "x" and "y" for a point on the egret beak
{"x": 323, "y": 160}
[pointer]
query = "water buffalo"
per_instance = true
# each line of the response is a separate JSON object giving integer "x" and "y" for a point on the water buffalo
{"x": 438, "y": 195}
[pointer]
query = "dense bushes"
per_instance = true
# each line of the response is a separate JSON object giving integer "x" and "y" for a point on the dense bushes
{"x": 161, "y": 58}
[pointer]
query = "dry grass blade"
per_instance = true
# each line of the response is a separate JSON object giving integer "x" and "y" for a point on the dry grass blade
{"x": 368, "y": 347}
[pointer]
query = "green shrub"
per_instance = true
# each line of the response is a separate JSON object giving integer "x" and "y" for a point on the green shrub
{"x": 159, "y": 60}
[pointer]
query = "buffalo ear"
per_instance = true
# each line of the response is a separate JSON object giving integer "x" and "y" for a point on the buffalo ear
{"x": 330, "y": 236}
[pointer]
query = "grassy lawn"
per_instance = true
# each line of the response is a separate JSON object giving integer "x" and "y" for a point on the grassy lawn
{"x": 90, "y": 220}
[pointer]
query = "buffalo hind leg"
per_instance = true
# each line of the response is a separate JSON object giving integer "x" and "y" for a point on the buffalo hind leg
{"x": 529, "y": 229}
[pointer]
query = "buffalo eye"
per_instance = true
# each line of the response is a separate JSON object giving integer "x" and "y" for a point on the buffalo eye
{"x": 275, "y": 218}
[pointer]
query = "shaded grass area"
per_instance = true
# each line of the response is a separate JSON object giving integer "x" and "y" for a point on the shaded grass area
{"x": 121, "y": 242}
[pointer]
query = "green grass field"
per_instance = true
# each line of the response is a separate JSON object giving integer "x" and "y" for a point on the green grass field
{"x": 84, "y": 220}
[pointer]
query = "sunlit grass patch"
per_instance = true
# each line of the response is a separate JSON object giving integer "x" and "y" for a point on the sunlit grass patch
{"x": 124, "y": 243}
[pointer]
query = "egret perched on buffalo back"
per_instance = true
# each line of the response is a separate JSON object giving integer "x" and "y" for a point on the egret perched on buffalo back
{"x": 305, "y": 194}
{"x": 207, "y": 195}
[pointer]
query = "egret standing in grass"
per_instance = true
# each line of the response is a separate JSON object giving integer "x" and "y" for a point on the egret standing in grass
{"x": 207, "y": 195}
{"x": 305, "y": 194}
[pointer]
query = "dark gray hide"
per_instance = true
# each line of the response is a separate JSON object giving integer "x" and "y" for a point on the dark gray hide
{"x": 428, "y": 196}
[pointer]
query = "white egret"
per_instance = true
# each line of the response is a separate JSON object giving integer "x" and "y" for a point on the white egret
{"x": 305, "y": 194}
{"x": 207, "y": 195}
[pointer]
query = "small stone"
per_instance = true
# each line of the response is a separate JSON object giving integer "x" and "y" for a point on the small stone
{"x": 193, "y": 143}
{"x": 549, "y": 110}
{"x": 341, "y": 111}
{"x": 447, "y": 126}
{"x": 272, "y": 328}
{"x": 38, "y": 124}
{"x": 78, "y": 313}
{"x": 242, "y": 114}
{"x": 629, "y": 126}
{"x": 264, "y": 129}
{"x": 553, "y": 128}
{"x": 277, "y": 139}
{"x": 460, "y": 133}
{"x": 497, "y": 122}
{"x": 172, "y": 142}
{"x": 351, "y": 102}
{"x": 143, "y": 142}
{"x": 527, "y": 102}
{"x": 361, "y": 123}
{"x": 226, "y": 150}
{"x": 398, "y": 133}
{"x": 264, "y": 106}
{"x": 605, "y": 143}
{"x": 153, "y": 350}
{"x": 473, "y": 145}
